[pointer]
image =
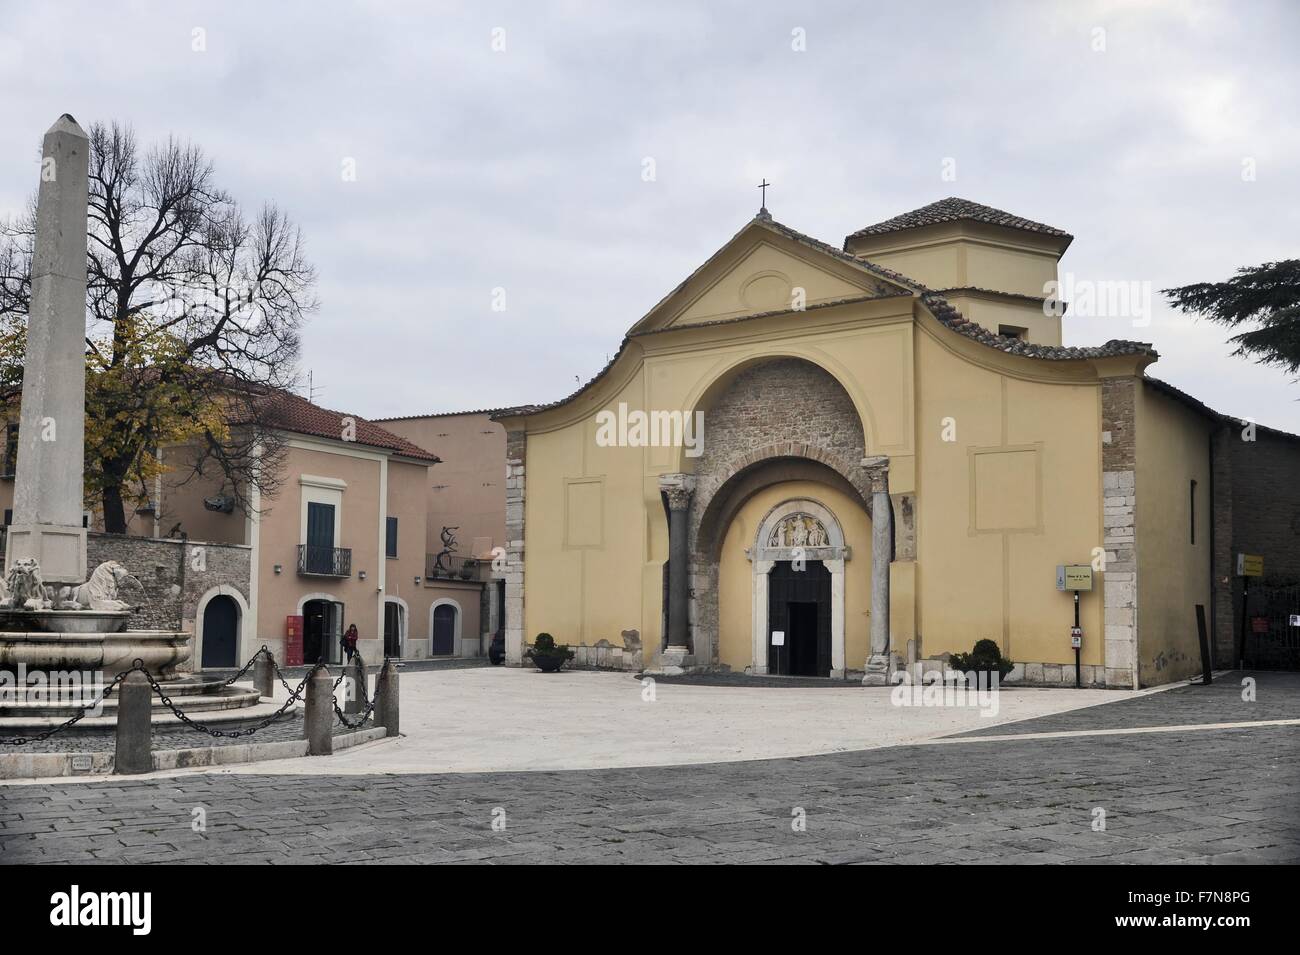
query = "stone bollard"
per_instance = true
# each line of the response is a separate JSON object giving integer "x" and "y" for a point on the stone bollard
{"x": 134, "y": 726}
{"x": 264, "y": 674}
{"x": 357, "y": 678}
{"x": 386, "y": 693}
{"x": 318, "y": 720}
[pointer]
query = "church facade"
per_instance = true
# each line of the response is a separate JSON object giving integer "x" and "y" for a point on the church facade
{"x": 832, "y": 461}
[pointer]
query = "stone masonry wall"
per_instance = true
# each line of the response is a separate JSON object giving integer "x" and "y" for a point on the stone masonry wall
{"x": 1119, "y": 508}
{"x": 1223, "y": 622}
{"x": 516, "y": 458}
{"x": 1258, "y": 471}
{"x": 175, "y": 574}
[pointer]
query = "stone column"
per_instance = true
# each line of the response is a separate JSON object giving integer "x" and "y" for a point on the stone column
{"x": 882, "y": 552}
{"x": 678, "y": 489}
{"x": 836, "y": 568}
{"x": 761, "y": 569}
{"x": 1119, "y": 520}
{"x": 516, "y": 459}
{"x": 48, "y": 481}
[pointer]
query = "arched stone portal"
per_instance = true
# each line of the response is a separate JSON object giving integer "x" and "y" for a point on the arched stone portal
{"x": 776, "y": 420}
{"x": 804, "y": 533}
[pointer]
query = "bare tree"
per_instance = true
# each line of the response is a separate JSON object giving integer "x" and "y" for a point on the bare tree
{"x": 194, "y": 317}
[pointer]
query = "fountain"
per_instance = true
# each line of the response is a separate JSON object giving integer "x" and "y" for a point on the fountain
{"x": 53, "y": 617}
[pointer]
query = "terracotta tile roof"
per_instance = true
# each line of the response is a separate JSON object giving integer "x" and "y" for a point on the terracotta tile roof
{"x": 291, "y": 412}
{"x": 953, "y": 209}
{"x": 946, "y": 313}
{"x": 940, "y": 307}
{"x": 454, "y": 414}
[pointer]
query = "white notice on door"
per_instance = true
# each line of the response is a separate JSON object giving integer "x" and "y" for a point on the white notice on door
{"x": 778, "y": 638}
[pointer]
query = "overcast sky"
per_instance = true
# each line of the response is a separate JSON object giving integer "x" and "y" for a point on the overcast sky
{"x": 522, "y": 168}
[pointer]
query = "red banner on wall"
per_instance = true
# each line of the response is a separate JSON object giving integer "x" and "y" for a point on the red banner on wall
{"x": 293, "y": 640}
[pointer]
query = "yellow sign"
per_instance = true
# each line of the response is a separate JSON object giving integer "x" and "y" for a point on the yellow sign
{"x": 1250, "y": 565}
{"x": 1074, "y": 577}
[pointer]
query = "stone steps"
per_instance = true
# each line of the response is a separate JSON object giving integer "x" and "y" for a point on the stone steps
{"x": 227, "y": 698}
{"x": 227, "y": 718}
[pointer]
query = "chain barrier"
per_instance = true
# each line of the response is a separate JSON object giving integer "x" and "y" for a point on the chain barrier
{"x": 231, "y": 734}
{"x": 294, "y": 694}
{"x": 370, "y": 704}
{"x": 247, "y": 666}
{"x": 71, "y": 721}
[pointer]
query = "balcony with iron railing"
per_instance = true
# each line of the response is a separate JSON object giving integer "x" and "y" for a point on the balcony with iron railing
{"x": 452, "y": 568}
{"x": 317, "y": 561}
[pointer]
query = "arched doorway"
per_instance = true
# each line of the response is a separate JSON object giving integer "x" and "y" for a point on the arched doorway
{"x": 394, "y": 628}
{"x": 220, "y": 633}
{"x": 792, "y": 563}
{"x": 322, "y": 627}
{"x": 444, "y": 628}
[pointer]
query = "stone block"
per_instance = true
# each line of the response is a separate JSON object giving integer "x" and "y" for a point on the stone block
{"x": 1119, "y": 653}
{"x": 1119, "y": 677}
{"x": 1119, "y": 616}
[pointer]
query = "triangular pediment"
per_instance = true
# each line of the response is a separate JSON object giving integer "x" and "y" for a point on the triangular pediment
{"x": 765, "y": 268}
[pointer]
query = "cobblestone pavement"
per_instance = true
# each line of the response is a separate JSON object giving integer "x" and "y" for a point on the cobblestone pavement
{"x": 1220, "y": 796}
{"x": 1276, "y": 697}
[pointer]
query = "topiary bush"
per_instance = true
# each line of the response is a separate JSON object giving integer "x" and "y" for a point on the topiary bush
{"x": 984, "y": 658}
{"x": 548, "y": 655}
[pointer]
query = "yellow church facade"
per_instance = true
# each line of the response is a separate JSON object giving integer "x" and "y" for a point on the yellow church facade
{"x": 821, "y": 461}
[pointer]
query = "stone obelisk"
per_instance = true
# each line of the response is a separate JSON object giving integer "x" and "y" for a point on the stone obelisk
{"x": 51, "y": 454}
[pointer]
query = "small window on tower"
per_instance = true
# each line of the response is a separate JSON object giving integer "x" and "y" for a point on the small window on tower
{"x": 1013, "y": 331}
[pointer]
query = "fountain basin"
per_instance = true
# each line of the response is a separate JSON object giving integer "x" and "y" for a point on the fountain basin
{"x": 161, "y": 651}
{"x": 65, "y": 621}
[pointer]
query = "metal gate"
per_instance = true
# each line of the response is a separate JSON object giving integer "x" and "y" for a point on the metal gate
{"x": 1273, "y": 628}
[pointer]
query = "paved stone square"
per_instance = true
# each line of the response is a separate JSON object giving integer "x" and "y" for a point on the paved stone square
{"x": 1221, "y": 795}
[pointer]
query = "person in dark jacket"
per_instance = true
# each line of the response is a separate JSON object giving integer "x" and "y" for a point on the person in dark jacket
{"x": 349, "y": 642}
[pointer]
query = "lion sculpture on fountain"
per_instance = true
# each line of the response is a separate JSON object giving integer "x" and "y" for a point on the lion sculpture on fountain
{"x": 23, "y": 589}
{"x": 108, "y": 585}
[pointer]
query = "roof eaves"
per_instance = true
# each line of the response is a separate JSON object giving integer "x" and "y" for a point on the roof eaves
{"x": 947, "y": 314}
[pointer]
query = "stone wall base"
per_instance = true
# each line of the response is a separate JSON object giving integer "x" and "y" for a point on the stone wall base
{"x": 605, "y": 656}
{"x": 1039, "y": 674}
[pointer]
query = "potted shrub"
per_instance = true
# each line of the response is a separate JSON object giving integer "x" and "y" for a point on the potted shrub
{"x": 984, "y": 658}
{"x": 467, "y": 569}
{"x": 549, "y": 656}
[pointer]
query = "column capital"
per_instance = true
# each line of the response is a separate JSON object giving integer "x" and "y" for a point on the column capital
{"x": 877, "y": 469}
{"x": 678, "y": 488}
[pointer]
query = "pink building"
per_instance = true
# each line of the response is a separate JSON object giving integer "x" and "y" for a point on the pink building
{"x": 348, "y": 537}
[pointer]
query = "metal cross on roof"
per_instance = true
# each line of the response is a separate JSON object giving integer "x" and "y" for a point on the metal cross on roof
{"x": 763, "y": 185}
